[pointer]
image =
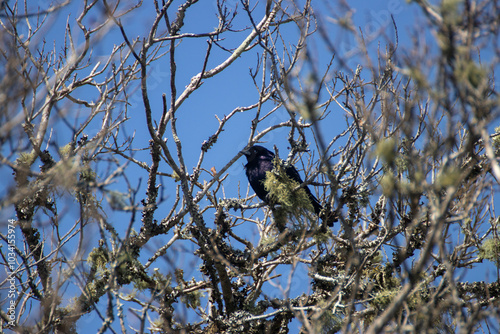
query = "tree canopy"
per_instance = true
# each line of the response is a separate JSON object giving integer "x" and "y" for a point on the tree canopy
{"x": 125, "y": 206}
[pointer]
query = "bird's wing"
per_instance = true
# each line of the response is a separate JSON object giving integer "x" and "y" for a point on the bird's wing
{"x": 292, "y": 173}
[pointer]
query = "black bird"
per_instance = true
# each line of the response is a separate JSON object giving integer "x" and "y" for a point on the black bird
{"x": 260, "y": 161}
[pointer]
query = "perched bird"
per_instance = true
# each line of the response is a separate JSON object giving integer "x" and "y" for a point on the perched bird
{"x": 260, "y": 161}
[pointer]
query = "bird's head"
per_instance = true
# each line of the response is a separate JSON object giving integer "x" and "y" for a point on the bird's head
{"x": 257, "y": 152}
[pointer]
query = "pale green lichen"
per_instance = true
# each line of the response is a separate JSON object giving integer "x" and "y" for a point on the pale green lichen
{"x": 490, "y": 250}
{"x": 281, "y": 190}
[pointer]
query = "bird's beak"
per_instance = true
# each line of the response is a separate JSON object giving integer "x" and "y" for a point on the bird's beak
{"x": 246, "y": 152}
